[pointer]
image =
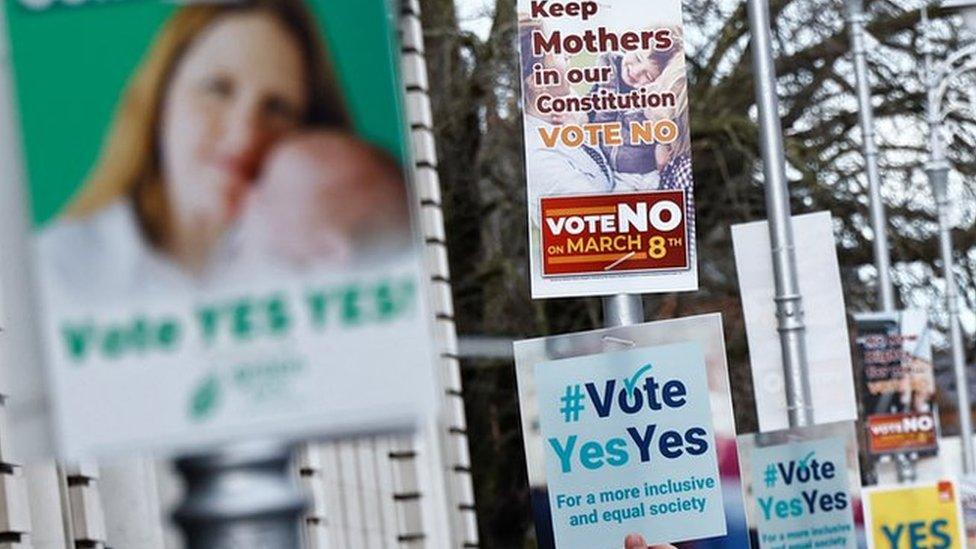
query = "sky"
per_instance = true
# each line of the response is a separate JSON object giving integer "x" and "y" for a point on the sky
{"x": 475, "y": 16}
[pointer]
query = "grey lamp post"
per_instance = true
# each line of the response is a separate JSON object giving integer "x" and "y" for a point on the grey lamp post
{"x": 879, "y": 225}
{"x": 937, "y": 81}
{"x": 938, "y": 174}
{"x": 856, "y": 19}
{"x": 789, "y": 302}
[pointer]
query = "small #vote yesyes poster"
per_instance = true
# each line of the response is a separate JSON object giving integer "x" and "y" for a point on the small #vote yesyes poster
{"x": 802, "y": 486}
{"x": 629, "y": 430}
{"x": 610, "y": 191}
{"x": 925, "y": 515}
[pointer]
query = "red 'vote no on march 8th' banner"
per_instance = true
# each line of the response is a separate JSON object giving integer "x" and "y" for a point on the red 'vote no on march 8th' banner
{"x": 623, "y": 232}
{"x": 902, "y": 432}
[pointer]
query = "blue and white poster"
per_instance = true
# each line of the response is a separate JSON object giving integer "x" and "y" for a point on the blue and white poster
{"x": 629, "y": 441}
{"x": 803, "y": 486}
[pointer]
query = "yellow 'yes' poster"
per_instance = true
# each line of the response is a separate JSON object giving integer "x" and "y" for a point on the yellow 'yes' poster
{"x": 909, "y": 517}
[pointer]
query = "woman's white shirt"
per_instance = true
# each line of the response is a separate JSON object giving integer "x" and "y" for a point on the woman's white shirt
{"x": 560, "y": 170}
{"x": 103, "y": 258}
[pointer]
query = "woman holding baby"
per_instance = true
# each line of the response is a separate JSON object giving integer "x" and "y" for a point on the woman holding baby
{"x": 223, "y": 86}
{"x": 638, "y": 167}
{"x": 642, "y": 166}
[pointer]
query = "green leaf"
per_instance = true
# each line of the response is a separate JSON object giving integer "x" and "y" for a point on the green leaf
{"x": 205, "y": 398}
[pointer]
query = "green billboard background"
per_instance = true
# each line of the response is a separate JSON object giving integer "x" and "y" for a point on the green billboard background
{"x": 72, "y": 64}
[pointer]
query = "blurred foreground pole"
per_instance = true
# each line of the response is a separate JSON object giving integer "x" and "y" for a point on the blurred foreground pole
{"x": 789, "y": 303}
{"x": 241, "y": 497}
{"x": 905, "y": 464}
{"x": 937, "y": 169}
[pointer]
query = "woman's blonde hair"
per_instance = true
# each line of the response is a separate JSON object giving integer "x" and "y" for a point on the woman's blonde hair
{"x": 674, "y": 79}
{"x": 129, "y": 163}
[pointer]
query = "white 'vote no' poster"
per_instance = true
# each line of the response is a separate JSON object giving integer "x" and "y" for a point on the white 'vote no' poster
{"x": 607, "y": 147}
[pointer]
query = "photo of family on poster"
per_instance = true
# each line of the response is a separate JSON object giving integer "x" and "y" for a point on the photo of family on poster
{"x": 231, "y": 155}
{"x": 630, "y": 167}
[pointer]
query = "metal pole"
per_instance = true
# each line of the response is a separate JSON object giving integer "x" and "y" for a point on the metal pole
{"x": 937, "y": 169}
{"x": 789, "y": 303}
{"x": 879, "y": 224}
{"x": 622, "y": 310}
{"x": 905, "y": 464}
{"x": 905, "y": 468}
{"x": 955, "y": 338}
{"x": 243, "y": 496}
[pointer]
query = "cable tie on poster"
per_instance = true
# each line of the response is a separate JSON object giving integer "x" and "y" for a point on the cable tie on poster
{"x": 620, "y": 341}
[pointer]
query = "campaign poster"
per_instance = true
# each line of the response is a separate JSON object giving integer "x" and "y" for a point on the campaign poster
{"x": 629, "y": 431}
{"x": 911, "y": 517}
{"x": 802, "y": 486}
{"x": 967, "y": 500}
{"x": 216, "y": 222}
{"x": 610, "y": 191}
{"x": 898, "y": 389}
{"x": 824, "y": 316}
